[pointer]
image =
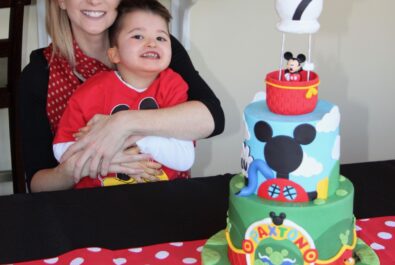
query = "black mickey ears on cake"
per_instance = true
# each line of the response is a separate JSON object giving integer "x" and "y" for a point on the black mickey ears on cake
{"x": 304, "y": 134}
{"x": 277, "y": 220}
{"x": 301, "y": 58}
{"x": 288, "y": 55}
{"x": 263, "y": 131}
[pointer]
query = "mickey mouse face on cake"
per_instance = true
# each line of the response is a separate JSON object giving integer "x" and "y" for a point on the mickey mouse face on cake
{"x": 284, "y": 153}
{"x": 294, "y": 64}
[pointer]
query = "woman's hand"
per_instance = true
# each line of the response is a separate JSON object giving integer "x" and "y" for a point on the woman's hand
{"x": 103, "y": 137}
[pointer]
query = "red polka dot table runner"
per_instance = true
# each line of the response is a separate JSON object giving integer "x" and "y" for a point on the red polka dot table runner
{"x": 378, "y": 233}
{"x": 162, "y": 254}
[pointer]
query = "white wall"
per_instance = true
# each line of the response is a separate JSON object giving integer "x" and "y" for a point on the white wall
{"x": 5, "y": 160}
{"x": 235, "y": 43}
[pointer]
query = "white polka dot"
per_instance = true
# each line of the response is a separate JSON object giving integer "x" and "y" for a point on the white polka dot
{"x": 377, "y": 246}
{"x": 177, "y": 244}
{"x": 189, "y": 261}
{"x": 199, "y": 249}
{"x": 390, "y": 223}
{"x": 384, "y": 235}
{"x": 51, "y": 261}
{"x": 135, "y": 250}
{"x": 77, "y": 261}
{"x": 119, "y": 261}
{"x": 162, "y": 255}
{"x": 358, "y": 228}
{"x": 364, "y": 220}
{"x": 94, "y": 249}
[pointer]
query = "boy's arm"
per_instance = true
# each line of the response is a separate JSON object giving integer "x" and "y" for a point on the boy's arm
{"x": 170, "y": 152}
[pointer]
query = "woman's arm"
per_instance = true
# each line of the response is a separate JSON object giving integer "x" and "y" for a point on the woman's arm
{"x": 213, "y": 120}
{"x": 56, "y": 178}
{"x": 41, "y": 168}
{"x": 35, "y": 129}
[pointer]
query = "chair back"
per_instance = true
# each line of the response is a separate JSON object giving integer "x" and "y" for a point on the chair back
{"x": 11, "y": 48}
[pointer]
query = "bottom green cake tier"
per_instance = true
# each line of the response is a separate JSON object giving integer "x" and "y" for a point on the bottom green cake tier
{"x": 316, "y": 232}
{"x": 215, "y": 252}
{"x": 267, "y": 232}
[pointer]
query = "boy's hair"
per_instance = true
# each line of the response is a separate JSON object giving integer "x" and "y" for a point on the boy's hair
{"x": 128, "y": 6}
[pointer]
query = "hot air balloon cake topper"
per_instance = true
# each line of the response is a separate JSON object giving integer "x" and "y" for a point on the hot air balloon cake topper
{"x": 293, "y": 90}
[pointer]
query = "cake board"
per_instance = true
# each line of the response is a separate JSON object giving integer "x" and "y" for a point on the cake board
{"x": 215, "y": 252}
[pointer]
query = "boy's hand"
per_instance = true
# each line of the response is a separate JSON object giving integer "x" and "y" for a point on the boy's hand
{"x": 142, "y": 170}
{"x": 84, "y": 130}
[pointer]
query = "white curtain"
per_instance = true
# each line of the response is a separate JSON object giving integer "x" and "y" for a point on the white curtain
{"x": 43, "y": 38}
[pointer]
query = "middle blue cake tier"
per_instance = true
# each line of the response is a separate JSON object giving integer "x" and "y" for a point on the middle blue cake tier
{"x": 291, "y": 158}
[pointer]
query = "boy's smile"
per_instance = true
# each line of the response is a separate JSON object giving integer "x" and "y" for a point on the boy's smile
{"x": 151, "y": 55}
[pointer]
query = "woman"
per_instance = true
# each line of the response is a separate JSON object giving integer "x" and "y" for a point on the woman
{"x": 79, "y": 31}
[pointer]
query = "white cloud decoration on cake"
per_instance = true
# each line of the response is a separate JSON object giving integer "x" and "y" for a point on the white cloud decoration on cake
{"x": 261, "y": 95}
{"x": 247, "y": 135}
{"x": 330, "y": 122}
{"x": 336, "y": 149}
{"x": 310, "y": 167}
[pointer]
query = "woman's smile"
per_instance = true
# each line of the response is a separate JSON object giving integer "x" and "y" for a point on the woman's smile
{"x": 93, "y": 13}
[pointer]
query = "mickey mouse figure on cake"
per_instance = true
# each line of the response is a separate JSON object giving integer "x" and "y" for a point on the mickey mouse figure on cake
{"x": 290, "y": 205}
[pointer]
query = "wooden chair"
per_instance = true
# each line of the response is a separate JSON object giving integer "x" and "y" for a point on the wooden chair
{"x": 11, "y": 48}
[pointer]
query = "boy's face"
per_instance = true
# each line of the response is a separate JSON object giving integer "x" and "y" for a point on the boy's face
{"x": 143, "y": 44}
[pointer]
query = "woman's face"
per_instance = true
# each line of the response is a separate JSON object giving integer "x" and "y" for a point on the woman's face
{"x": 90, "y": 17}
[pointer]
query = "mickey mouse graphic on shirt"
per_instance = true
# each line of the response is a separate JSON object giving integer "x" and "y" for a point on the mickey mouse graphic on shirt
{"x": 294, "y": 66}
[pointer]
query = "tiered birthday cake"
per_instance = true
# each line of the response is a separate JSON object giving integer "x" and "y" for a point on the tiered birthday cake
{"x": 290, "y": 205}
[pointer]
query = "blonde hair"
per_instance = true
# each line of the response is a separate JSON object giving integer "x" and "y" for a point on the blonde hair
{"x": 59, "y": 29}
